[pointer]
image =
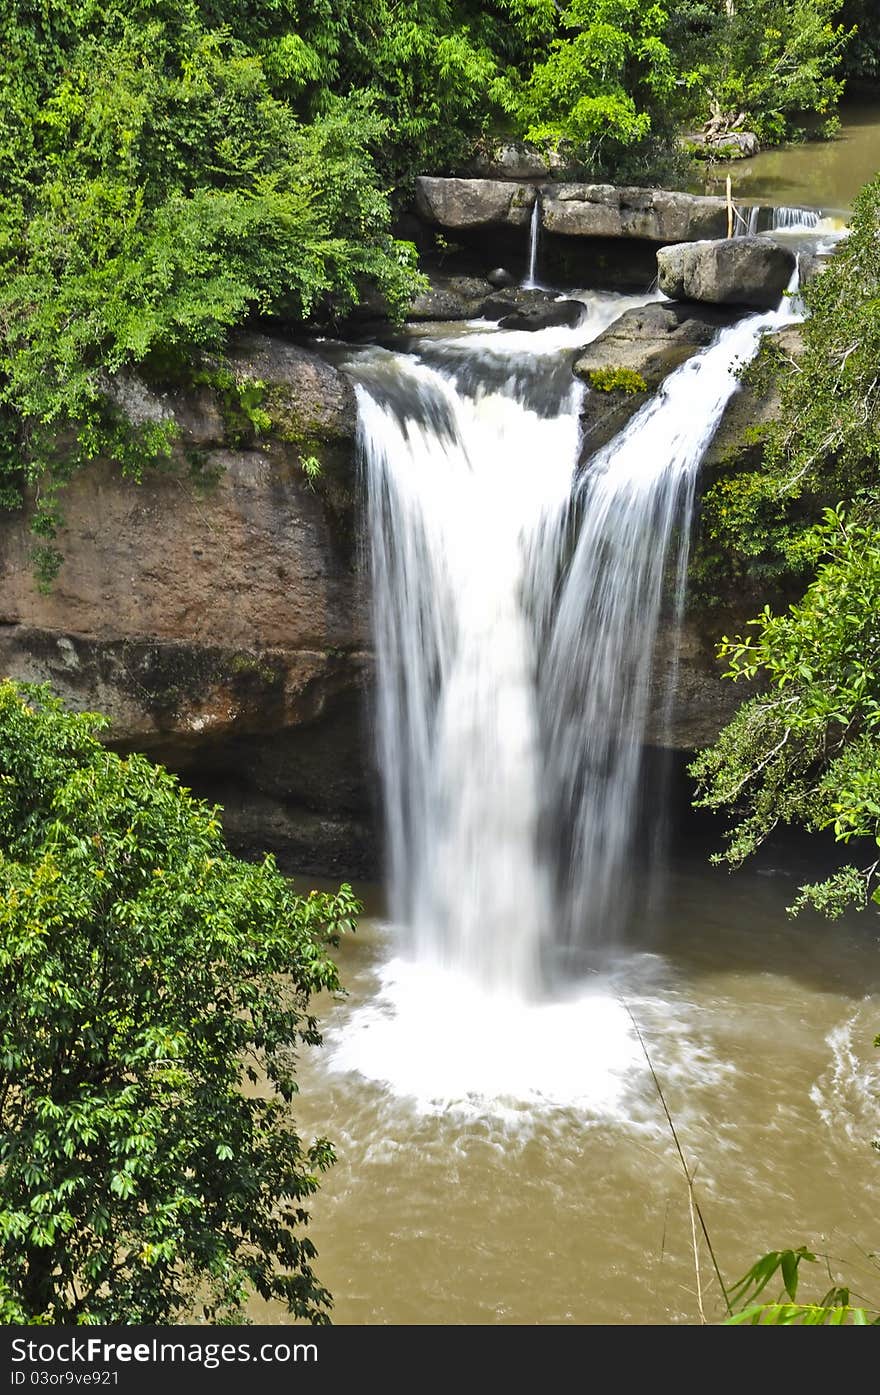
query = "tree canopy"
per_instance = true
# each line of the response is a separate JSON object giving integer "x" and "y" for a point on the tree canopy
{"x": 172, "y": 171}
{"x": 153, "y": 993}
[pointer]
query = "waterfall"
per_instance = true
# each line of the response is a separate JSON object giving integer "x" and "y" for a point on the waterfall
{"x": 795, "y": 219}
{"x": 516, "y": 606}
{"x": 747, "y": 219}
{"x": 634, "y": 503}
{"x": 531, "y": 282}
{"x": 461, "y": 490}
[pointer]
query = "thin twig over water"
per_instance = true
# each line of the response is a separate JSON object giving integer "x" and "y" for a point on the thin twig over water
{"x": 689, "y": 1178}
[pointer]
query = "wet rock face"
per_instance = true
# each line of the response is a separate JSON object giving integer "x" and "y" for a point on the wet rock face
{"x": 750, "y": 271}
{"x": 651, "y": 340}
{"x": 474, "y": 203}
{"x": 216, "y": 610}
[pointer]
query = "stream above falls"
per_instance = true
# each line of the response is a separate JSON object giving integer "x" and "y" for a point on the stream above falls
{"x": 815, "y": 174}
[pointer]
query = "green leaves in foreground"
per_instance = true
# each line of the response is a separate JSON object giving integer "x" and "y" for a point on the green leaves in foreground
{"x": 153, "y": 993}
{"x": 806, "y": 749}
{"x": 834, "y": 1310}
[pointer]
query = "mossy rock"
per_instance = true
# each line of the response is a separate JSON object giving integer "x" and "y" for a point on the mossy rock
{"x": 617, "y": 380}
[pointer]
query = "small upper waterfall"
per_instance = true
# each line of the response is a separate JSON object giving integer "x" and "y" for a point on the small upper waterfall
{"x": 634, "y": 505}
{"x": 531, "y": 282}
{"x": 747, "y": 220}
{"x": 795, "y": 219}
{"x": 516, "y": 607}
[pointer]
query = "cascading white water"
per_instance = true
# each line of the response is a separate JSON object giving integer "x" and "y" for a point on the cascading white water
{"x": 460, "y": 493}
{"x": 747, "y": 219}
{"x": 531, "y": 282}
{"x": 513, "y": 673}
{"x": 795, "y": 219}
{"x": 634, "y": 502}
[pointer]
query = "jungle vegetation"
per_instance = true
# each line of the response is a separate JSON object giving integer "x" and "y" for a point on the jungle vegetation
{"x": 169, "y": 171}
{"x": 154, "y": 991}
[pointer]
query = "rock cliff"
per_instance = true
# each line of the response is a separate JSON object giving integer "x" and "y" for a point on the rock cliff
{"x": 218, "y": 615}
{"x": 215, "y": 612}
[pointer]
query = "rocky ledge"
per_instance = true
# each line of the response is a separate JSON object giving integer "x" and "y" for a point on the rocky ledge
{"x": 630, "y": 359}
{"x": 214, "y": 612}
{"x": 654, "y": 215}
{"x": 474, "y": 203}
{"x": 572, "y": 210}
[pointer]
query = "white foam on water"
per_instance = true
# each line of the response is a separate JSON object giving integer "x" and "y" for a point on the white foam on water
{"x": 434, "y": 1037}
{"x": 847, "y": 1093}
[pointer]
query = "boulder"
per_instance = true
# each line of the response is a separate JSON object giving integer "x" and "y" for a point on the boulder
{"x": 500, "y": 278}
{"x": 653, "y": 339}
{"x": 474, "y": 203}
{"x": 749, "y": 271}
{"x": 450, "y": 298}
{"x": 552, "y": 314}
{"x": 527, "y": 308}
{"x": 515, "y": 160}
{"x": 502, "y": 303}
{"x": 604, "y": 210}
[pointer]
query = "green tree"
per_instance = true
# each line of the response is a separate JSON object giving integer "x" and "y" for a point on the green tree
{"x": 153, "y": 991}
{"x": 609, "y": 86}
{"x": 806, "y": 750}
{"x": 823, "y": 444}
{"x": 771, "y": 65}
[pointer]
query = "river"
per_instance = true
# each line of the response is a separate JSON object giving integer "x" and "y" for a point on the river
{"x": 516, "y": 1167}
{"x": 815, "y": 174}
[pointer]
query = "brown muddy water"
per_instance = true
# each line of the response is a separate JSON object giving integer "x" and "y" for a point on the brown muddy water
{"x": 509, "y": 1164}
{"x": 816, "y": 174}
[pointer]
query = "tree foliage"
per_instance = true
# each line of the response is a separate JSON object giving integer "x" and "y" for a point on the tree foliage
{"x": 823, "y": 444}
{"x": 773, "y": 61}
{"x": 170, "y": 171}
{"x": 153, "y": 991}
{"x": 608, "y": 86}
{"x": 806, "y": 751}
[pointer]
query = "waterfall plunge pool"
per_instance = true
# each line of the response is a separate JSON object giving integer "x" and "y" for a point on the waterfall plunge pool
{"x": 503, "y": 1154}
{"x": 502, "y": 1164}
